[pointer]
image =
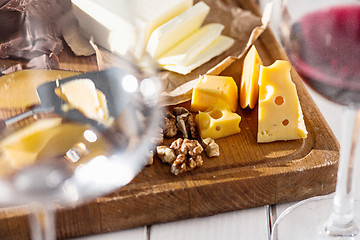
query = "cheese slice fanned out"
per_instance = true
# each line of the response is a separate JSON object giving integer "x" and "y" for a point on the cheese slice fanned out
{"x": 186, "y": 50}
{"x": 280, "y": 115}
{"x": 82, "y": 95}
{"x": 217, "y": 47}
{"x": 172, "y": 32}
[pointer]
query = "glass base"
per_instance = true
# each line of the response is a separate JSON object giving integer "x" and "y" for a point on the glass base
{"x": 306, "y": 221}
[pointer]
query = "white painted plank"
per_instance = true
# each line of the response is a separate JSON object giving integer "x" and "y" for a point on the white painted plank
{"x": 249, "y": 224}
{"x": 131, "y": 234}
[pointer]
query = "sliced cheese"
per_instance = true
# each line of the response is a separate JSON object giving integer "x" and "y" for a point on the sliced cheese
{"x": 186, "y": 50}
{"x": 82, "y": 95}
{"x": 249, "y": 89}
{"x": 217, "y": 47}
{"x": 21, "y": 147}
{"x": 210, "y": 90}
{"x": 280, "y": 115}
{"x": 218, "y": 122}
{"x": 172, "y": 32}
{"x": 48, "y": 139}
{"x": 125, "y": 26}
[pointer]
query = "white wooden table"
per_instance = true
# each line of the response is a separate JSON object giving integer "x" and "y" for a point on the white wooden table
{"x": 249, "y": 224}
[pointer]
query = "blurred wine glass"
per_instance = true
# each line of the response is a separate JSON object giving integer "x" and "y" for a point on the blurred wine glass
{"x": 322, "y": 41}
{"x": 49, "y": 159}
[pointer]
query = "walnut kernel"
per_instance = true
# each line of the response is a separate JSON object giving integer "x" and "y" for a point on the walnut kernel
{"x": 166, "y": 154}
{"x": 211, "y": 147}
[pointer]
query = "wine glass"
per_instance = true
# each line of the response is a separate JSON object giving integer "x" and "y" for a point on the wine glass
{"x": 57, "y": 159}
{"x": 322, "y": 41}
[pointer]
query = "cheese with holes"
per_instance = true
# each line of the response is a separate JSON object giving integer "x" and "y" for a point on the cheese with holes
{"x": 210, "y": 90}
{"x": 172, "y": 32}
{"x": 218, "y": 122}
{"x": 249, "y": 89}
{"x": 217, "y": 47}
{"x": 280, "y": 115}
{"x": 122, "y": 25}
{"x": 82, "y": 95}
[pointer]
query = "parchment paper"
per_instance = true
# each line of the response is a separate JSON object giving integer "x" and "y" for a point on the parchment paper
{"x": 243, "y": 26}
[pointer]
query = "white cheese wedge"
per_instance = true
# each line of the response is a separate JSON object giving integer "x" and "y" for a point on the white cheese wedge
{"x": 124, "y": 26}
{"x": 175, "y": 30}
{"x": 186, "y": 50}
{"x": 220, "y": 45}
{"x": 82, "y": 95}
{"x": 280, "y": 115}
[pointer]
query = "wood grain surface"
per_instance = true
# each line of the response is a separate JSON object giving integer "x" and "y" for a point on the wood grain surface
{"x": 245, "y": 175}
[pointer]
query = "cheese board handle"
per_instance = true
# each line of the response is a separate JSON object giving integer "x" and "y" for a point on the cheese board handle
{"x": 22, "y": 116}
{"x": 17, "y": 118}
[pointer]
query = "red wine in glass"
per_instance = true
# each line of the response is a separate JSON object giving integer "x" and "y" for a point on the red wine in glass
{"x": 326, "y": 52}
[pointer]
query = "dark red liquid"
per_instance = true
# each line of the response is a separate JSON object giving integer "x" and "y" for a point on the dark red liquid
{"x": 325, "y": 50}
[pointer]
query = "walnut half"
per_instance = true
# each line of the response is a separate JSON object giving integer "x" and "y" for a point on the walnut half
{"x": 211, "y": 147}
{"x": 188, "y": 155}
{"x": 166, "y": 154}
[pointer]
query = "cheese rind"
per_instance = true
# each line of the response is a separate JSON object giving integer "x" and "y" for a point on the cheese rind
{"x": 218, "y": 122}
{"x": 280, "y": 115}
{"x": 210, "y": 90}
{"x": 125, "y": 26}
{"x": 217, "y": 47}
{"x": 172, "y": 32}
{"x": 249, "y": 89}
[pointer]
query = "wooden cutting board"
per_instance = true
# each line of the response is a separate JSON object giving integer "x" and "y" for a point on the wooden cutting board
{"x": 246, "y": 174}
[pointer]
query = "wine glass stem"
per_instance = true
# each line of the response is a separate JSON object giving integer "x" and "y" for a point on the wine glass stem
{"x": 341, "y": 221}
{"x": 42, "y": 223}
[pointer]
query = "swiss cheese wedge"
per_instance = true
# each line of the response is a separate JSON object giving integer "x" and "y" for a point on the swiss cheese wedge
{"x": 249, "y": 89}
{"x": 218, "y": 122}
{"x": 280, "y": 115}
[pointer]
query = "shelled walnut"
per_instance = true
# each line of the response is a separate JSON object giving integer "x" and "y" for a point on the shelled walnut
{"x": 188, "y": 155}
{"x": 211, "y": 147}
{"x": 170, "y": 128}
{"x": 183, "y": 164}
{"x": 166, "y": 154}
{"x": 185, "y": 122}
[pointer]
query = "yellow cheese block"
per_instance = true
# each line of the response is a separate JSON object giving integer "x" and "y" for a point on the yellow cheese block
{"x": 280, "y": 115}
{"x": 18, "y": 89}
{"x": 210, "y": 90}
{"x": 249, "y": 89}
{"x": 218, "y": 122}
